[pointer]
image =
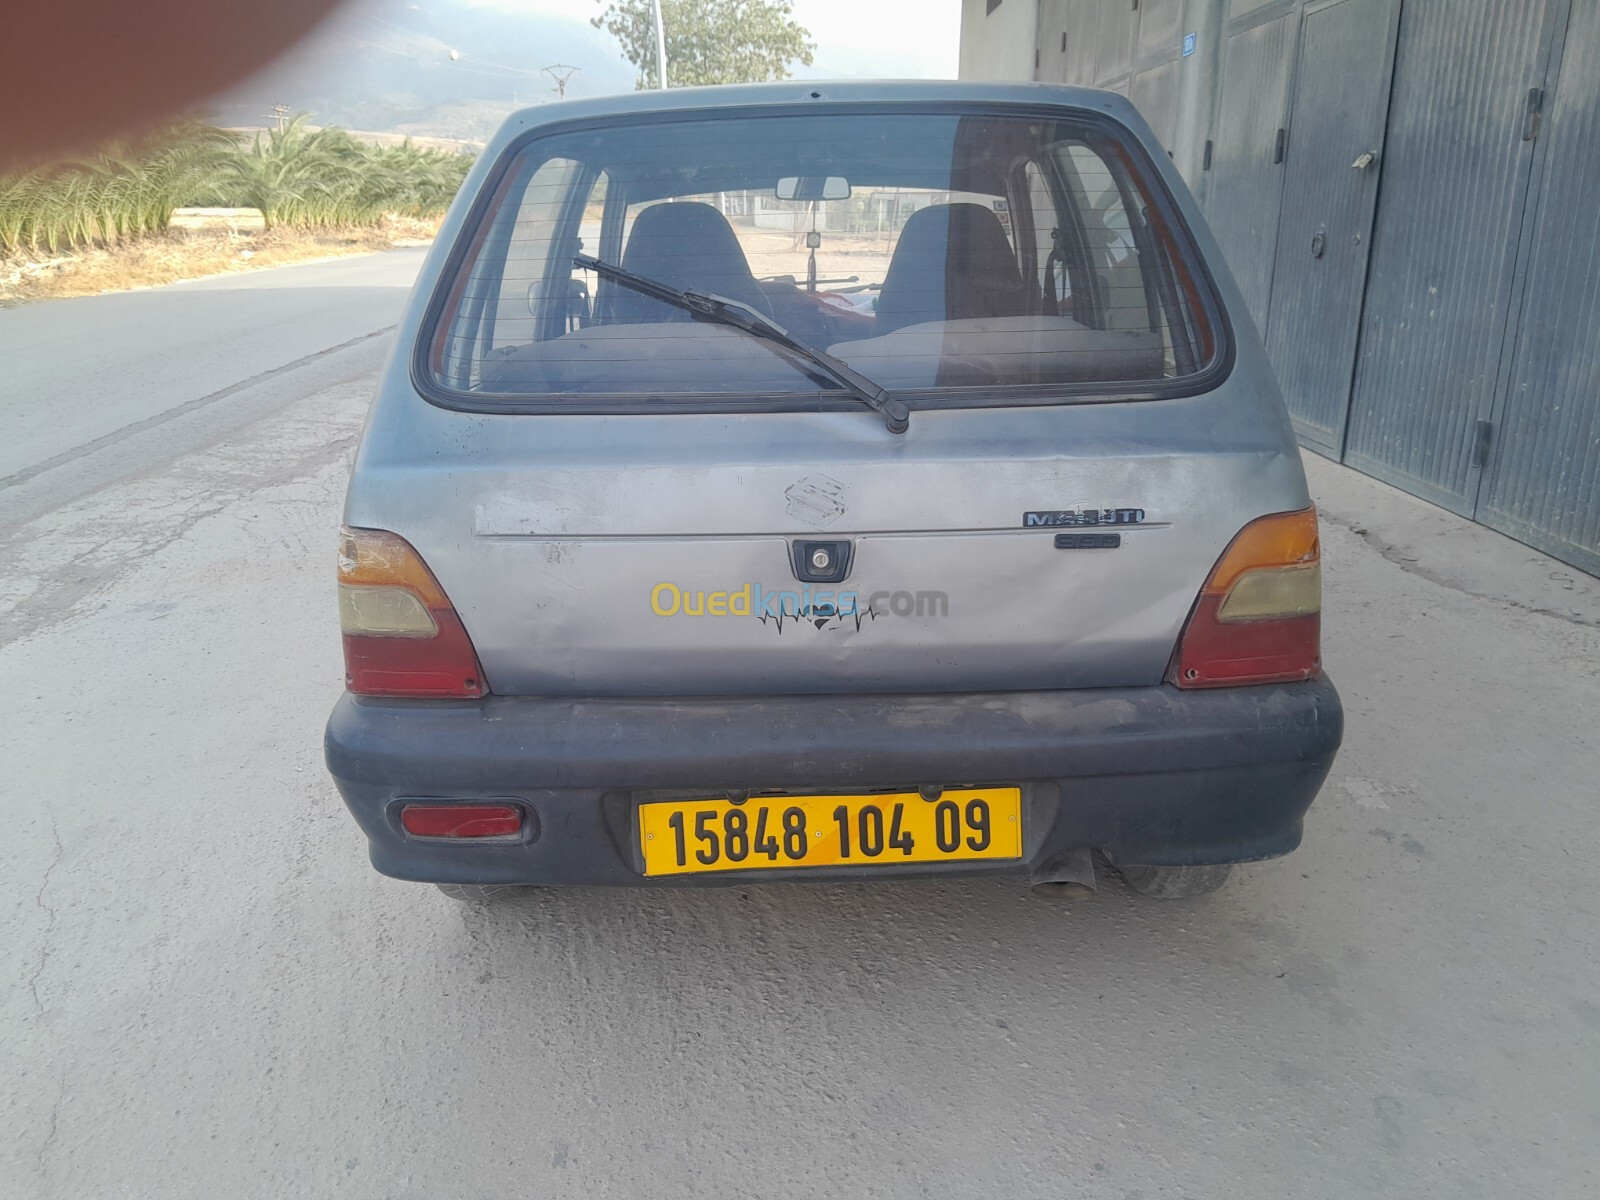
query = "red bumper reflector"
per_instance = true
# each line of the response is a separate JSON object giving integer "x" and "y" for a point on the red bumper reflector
{"x": 461, "y": 820}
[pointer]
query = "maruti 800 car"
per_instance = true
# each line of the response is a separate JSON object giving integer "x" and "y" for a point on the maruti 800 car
{"x": 832, "y": 481}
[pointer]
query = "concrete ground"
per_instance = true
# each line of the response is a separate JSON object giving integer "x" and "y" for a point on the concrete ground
{"x": 209, "y": 993}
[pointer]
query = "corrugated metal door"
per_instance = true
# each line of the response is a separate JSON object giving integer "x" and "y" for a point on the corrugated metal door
{"x": 1113, "y": 41}
{"x": 1330, "y": 186}
{"x": 1242, "y": 204}
{"x": 1455, "y": 181}
{"x": 1159, "y": 25}
{"x": 1155, "y": 92}
{"x": 1066, "y": 36}
{"x": 1081, "y": 43}
{"x": 1543, "y": 480}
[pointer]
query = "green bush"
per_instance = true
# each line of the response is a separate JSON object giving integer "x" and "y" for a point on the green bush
{"x": 122, "y": 190}
{"x": 299, "y": 178}
{"x": 325, "y": 178}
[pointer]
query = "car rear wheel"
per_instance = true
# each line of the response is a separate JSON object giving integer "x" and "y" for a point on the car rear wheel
{"x": 1175, "y": 883}
{"x": 482, "y": 893}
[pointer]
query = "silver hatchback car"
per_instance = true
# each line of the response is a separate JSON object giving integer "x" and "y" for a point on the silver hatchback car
{"x": 823, "y": 482}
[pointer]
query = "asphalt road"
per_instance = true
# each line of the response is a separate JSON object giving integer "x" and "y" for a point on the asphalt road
{"x": 209, "y": 993}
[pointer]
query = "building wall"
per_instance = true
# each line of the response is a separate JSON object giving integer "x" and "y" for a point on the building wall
{"x": 997, "y": 40}
{"x": 1396, "y": 184}
{"x": 1140, "y": 52}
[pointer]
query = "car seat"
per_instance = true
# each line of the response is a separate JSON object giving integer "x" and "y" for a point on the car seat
{"x": 952, "y": 262}
{"x": 690, "y": 246}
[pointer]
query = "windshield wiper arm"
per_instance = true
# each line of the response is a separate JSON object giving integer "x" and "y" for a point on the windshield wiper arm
{"x": 720, "y": 310}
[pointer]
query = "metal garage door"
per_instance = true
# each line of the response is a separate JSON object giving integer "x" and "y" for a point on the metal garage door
{"x": 1543, "y": 481}
{"x": 1455, "y": 180}
{"x": 1113, "y": 41}
{"x": 1066, "y": 41}
{"x": 1154, "y": 91}
{"x": 1160, "y": 26}
{"x": 1242, "y": 205}
{"x": 1330, "y": 187}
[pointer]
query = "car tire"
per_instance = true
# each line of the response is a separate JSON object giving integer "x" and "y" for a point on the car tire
{"x": 481, "y": 893}
{"x": 1175, "y": 883}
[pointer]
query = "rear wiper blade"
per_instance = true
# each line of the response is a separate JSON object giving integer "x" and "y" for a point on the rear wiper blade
{"x": 720, "y": 310}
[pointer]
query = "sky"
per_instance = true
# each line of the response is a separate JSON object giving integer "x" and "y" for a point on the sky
{"x": 883, "y": 39}
{"x": 453, "y": 68}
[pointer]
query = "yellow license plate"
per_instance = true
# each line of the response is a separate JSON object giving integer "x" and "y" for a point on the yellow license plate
{"x": 679, "y": 837}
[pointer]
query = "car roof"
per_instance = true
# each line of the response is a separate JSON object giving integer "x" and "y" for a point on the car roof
{"x": 806, "y": 93}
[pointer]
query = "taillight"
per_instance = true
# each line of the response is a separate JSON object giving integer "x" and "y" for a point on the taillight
{"x": 1259, "y": 616}
{"x": 401, "y": 635}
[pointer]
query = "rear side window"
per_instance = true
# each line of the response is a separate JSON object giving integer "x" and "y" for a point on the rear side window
{"x": 954, "y": 258}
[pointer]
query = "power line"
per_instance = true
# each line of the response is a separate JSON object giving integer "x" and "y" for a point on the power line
{"x": 389, "y": 25}
{"x": 492, "y": 69}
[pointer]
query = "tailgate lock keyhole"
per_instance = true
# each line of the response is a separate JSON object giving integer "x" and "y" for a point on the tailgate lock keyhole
{"x": 820, "y": 562}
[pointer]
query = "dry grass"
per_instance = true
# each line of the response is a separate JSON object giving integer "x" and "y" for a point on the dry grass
{"x": 191, "y": 254}
{"x": 234, "y": 220}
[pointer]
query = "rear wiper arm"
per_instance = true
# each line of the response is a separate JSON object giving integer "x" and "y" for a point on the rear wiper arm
{"x": 720, "y": 310}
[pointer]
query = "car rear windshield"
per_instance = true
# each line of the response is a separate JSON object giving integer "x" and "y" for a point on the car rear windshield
{"x": 964, "y": 257}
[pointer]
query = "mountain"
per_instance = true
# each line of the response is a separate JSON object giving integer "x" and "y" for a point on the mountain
{"x": 441, "y": 68}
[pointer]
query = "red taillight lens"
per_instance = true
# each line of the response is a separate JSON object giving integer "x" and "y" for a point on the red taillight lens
{"x": 461, "y": 820}
{"x": 1259, "y": 617}
{"x": 402, "y": 637}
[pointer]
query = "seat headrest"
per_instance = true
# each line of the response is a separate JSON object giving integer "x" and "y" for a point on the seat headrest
{"x": 952, "y": 262}
{"x": 689, "y": 245}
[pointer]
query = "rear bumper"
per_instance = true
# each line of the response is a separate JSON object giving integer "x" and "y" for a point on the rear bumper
{"x": 1150, "y": 775}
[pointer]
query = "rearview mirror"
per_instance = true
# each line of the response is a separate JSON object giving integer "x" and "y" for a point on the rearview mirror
{"x": 813, "y": 187}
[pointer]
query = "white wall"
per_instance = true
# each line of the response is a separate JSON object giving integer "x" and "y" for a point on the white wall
{"x": 998, "y": 44}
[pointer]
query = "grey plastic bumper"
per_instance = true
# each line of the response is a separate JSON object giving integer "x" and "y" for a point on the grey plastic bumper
{"x": 1151, "y": 775}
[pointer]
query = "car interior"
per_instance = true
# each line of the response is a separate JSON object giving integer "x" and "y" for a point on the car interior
{"x": 1029, "y": 257}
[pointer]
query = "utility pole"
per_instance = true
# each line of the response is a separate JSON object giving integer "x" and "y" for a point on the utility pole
{"x": 661, "y": 46}
{"x": 560, "y": 72}
{"x": 280, "y": 113}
